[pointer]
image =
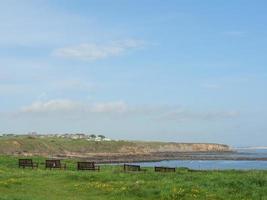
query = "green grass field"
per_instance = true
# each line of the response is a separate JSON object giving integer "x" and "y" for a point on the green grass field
{"x": 111, "y": 183}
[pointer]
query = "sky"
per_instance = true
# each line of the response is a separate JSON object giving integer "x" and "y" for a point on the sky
{"x": 174, "y": 70}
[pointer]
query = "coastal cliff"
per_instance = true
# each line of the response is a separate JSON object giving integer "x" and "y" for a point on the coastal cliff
{"x": 103, "y": 151}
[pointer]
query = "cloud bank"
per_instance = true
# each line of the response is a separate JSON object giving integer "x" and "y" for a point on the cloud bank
{"x": 65, "y": 107}
{"x": 60, "y": 106}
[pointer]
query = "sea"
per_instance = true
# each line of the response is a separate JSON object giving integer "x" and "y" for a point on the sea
{"x": 219, "y": 164}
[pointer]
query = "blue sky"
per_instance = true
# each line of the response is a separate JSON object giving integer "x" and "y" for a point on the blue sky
{"x": 185, "y": 71}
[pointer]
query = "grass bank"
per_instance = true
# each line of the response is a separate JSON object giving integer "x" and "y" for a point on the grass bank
{"x": 113, "y": 184}
{"x": 30, "y": 145}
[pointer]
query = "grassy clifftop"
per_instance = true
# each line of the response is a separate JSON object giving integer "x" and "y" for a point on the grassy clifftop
{"x": 26, "y": 145}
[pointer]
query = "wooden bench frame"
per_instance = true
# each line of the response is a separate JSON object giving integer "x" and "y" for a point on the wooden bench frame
{"x": 27, "y": 163}
{"x": 165, "y": 169}
{"x": 54, "y": 164}
{"x": 127, "y": 167}
{"x": 87, "y": 166}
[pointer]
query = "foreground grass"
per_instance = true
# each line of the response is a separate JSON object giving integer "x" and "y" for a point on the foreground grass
{"x": 111, "y": 183}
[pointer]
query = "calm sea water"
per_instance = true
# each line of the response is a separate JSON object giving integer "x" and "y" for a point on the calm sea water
{"x": 218, "y": 164}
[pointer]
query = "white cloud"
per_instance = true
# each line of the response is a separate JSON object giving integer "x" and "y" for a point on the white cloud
{"x": 98, "y": 51}
{"x": 162, "y": 113}
{"x": 51, "y": 106}
{"x": 64, "y": 105}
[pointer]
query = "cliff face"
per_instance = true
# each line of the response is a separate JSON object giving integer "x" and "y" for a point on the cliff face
{"x": 194, "y": 147}
{"x": 142, "y": 147}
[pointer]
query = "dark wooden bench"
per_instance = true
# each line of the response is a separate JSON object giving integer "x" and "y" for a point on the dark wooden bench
{"x": 87, "y": 166}
{"x": 54, "y": 164}
{"x": 27, "y": 163}
{"x": 164, "y": 169}
{"x": 127, "y": 167}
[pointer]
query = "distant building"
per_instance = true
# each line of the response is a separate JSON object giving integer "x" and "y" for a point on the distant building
{"x": 33, "y": 133}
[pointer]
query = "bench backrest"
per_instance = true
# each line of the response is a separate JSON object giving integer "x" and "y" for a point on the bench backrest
{"x": 25, "y": 162}
{"x": 84, "y": 165}
{"x": 127, "y": 167}
{"x": 52, "y": 164}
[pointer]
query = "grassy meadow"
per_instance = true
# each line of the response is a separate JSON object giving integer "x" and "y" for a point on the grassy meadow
{"x": 111, "y": 183}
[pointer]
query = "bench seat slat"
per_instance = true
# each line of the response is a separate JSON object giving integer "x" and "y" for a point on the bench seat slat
{"x": 164, "y": 169}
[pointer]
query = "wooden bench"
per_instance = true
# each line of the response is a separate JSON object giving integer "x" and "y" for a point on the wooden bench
{"x": 127, "y": 167}
{"x": 164, "y": 169}
{"x": 27, "y": 163}
{"x": 87, "y": 166}
{"x": 54, "y": 164}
